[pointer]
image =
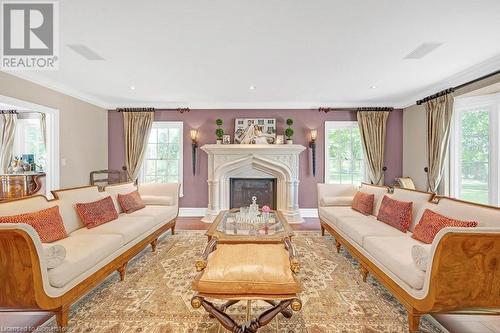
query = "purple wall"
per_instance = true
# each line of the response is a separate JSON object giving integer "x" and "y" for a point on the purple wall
{"x": 195, "y": 187}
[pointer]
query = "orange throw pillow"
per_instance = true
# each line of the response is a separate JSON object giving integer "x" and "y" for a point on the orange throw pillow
{"x": 47, "y": 223}
{"x": 395, "y": 213}
{"x": 363, "y": 203}
{"x": 431, "y": 223}
{"x": 96, "y": 213}
{"x": 131, "y": 202}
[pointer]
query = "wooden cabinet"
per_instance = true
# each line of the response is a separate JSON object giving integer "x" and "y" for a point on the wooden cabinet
{"x": 21, "y": 185}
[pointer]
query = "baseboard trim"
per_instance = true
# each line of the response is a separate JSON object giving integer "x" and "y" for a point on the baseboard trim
{"x": 200, "y": 212}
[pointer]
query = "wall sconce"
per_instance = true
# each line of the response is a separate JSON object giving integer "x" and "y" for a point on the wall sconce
{"x": 312, "y": 145}
{"x": 194, "y": 145}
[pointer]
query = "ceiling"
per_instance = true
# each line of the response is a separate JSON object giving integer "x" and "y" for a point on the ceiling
{"x": 296, "y": 53}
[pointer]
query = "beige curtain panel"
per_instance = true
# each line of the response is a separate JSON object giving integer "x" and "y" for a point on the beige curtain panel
{"x": 372, "y": 127}
{"x": 137, "y": 127}
{"x": 43, "y": 128}
{"x": 7, "y": 133}
{"x": 439, "y": 112}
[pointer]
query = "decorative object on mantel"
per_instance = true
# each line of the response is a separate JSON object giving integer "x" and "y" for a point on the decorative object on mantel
{"x": 280, "y": 139}
{"x": 253, "y": 161}
{"x": 219, "y": 132}
{"x": 255, "y": 130}
{"x": 226, "y": 139}
{"x": 312, "y": 145}
{"x": 289, "y": 131}
{"x": 194, "y": 145}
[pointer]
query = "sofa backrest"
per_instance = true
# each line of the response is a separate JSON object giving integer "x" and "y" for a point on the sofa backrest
{"x": 418, "y": 198}
{"x": 335, "y": 190}
{"x": 485, "y": 216}
{"x": 26, "y": 205}
{"x": 68, "y": 198}
{"x": 115, "y": 189}
{"x": 378, "y": 191}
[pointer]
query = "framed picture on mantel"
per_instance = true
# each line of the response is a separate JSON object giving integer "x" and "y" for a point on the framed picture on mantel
{"x": 255, "y": 130}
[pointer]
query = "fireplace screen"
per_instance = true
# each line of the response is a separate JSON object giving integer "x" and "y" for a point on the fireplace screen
{"x": 243, "y": 189}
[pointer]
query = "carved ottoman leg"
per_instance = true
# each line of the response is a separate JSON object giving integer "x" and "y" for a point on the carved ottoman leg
{"x": 265, "y": 317}
{"x": 122, "y": 270}
{"x": 154, "y": 244}
{"x": 287, "y": 313}
{"x": 337, "y": 245}
{"x": 414, "y": 320}
{"x": 62, "y": 315}
{"x": 364, "y": 273}
{"x": 322, "y": 230}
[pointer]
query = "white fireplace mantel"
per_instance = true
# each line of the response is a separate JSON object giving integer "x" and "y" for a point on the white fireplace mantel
{"x": 253, "y": 161}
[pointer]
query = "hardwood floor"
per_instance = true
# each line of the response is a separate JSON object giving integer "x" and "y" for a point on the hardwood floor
{"x": 28, "y": 321}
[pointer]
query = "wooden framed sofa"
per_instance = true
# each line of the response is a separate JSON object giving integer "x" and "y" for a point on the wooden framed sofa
{"x": 462, "y": 269}
{"x": 91, "y": 254}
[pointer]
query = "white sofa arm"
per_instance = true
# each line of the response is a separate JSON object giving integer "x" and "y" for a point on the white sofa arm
{"x": 336, "y": 194}
{"x": 160, "y": 194}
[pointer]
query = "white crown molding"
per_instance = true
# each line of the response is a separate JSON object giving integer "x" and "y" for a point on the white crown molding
{"x": 484, "y": 68}
{"x": 201, "y": 212}
{"x": 61, "y": 88}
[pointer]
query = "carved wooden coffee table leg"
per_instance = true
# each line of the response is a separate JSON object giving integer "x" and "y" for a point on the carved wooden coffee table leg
{"x": 249, "y": 327}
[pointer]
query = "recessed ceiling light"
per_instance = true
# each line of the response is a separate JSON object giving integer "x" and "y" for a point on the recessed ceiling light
{"x": 251, "y": 87}
{"x": 373, "y": 87}
{"x": 132, "y": 87}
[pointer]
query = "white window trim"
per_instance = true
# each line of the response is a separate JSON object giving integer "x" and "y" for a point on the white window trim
{"x": 329, "y": 125}
{"x": 180, "y": 126}
{"x": 492, "y": 104}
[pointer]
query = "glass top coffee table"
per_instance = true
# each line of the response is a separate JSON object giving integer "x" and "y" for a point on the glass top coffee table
{"x": 227, "y": 228}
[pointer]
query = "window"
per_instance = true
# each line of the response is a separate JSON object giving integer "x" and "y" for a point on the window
{"x": 475, "y": 148}
{"x": 343, "y": 153}
{"x": 29, "y": 140}
{"x": 163, "y": 160}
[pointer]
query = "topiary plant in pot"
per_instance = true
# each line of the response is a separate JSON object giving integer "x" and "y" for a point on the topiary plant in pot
{"x": 289, "y": 131}
{"x": 219, "y": 132}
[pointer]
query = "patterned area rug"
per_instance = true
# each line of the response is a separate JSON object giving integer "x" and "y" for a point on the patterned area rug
{"x": 156, "y": 293}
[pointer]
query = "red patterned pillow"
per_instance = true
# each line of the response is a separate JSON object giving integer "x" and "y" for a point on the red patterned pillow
{"x": 47, "y": 223}
{"x": 431, "y": 223}
{"x": 96, "y": 213}
{"x": 363, "y": 203}
{"x": 395, "y": 213}
{"x": 131, "y": 202}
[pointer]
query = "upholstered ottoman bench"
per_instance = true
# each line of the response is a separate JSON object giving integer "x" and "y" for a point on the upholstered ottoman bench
{"x": 248, "y": 271}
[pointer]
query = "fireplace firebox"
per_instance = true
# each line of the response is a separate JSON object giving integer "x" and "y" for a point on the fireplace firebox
{"x": 243, "y": 189}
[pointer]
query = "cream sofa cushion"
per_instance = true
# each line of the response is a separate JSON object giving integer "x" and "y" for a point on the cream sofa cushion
{"x": 69, "y": 198}
{"x": 378, "y": 192}
{"x": 83, "y": 251}
{"x": 336, "y": 201}
{"x": 114, "y": 190}
{"x": 394, "y": 253}
{"x": 419, "y": 200}
{"x": 161, "y": 214}
{"x": 332, "y": 214}
{"x": 359, "y": 227}
{"x": 463, "y": 211}
{"x": 157, "y": 200}
{"x": 26, "y": 205}
{"x": 129, "y": 227}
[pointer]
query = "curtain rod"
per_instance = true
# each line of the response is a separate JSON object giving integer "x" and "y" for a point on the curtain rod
{"x": 330, "y": 109}
{"x": 9, "y": 112}
{"x": 180, "y": 110}
{"x": 452, "y": 89}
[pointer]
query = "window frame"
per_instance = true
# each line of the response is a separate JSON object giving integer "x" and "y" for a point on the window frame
{"x": 491, "y": 103}
{"x": 169, "y": 124}
{"x": 330, "y": 125}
